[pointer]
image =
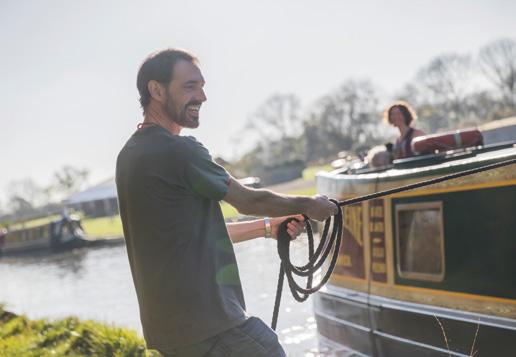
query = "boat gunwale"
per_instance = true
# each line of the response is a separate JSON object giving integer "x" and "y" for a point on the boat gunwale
{"x": 378, "y": 301}
{"x": 394, "y": 174}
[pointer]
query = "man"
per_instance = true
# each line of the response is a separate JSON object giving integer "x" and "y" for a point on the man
{"x": 180, "y": 250}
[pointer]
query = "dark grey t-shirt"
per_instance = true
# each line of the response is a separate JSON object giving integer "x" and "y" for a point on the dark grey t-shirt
{"x": 182, "y": 260}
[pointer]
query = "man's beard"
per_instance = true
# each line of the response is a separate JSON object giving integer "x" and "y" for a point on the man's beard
{"x": 180, "y": 118}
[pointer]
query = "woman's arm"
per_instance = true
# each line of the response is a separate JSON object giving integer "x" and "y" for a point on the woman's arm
{"x": 417, "y": 133}
{"x": 242, "y": 231}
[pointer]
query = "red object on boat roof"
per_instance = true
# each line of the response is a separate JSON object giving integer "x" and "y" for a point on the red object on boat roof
{"x": 458, "y": 139}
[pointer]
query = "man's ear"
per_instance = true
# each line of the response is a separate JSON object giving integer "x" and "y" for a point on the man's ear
{"x": 156, "y": 90}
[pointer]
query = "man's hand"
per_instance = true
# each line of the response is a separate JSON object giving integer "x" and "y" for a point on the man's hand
{"x": 321, "y": 208}
{"x": 294, "y": 228}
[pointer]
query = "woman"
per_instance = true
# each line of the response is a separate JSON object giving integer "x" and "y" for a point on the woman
{"x": 401, "y": 115}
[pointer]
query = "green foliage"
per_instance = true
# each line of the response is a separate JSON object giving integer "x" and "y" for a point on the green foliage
{"x": 22, "y": 337}
{"x": 310, "y": 172}
{"x": 103, "y": 226}
{"x": 228, "y": 211}
{"x": 309, "y": 191}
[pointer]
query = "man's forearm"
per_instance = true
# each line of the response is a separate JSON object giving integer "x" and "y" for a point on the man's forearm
{"x": 267, "y": 203}
{"x": 242, "y": 231}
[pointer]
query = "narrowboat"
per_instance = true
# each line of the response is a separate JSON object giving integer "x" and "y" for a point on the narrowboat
{"x": 62, "y": 233}
{"x": 428, "y": 272}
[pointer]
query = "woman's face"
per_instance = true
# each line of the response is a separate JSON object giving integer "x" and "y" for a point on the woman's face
{"x": 396, "y": 117}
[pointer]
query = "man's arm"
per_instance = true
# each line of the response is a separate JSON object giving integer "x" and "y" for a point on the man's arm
{"x": 262, "y": 202}
{"x": 242, "y": 231}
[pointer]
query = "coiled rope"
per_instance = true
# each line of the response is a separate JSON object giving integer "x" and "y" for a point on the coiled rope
{"x": 329, "y": 242}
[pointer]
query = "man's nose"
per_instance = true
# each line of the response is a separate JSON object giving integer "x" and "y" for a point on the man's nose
{"x": 201, "y": 96}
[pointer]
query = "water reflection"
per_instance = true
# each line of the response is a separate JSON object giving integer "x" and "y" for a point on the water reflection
{"x": 66, "y": 263}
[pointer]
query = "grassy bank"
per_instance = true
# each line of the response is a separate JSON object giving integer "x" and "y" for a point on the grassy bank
{"x": 103, "y": 226}
{"x": 22, "y": 337}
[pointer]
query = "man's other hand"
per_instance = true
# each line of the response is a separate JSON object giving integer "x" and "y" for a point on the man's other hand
{"x": 294, "y": 228}
{"x": 320, "y": 208}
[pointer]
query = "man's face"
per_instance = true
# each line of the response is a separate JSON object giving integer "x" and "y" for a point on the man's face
{"x": 185, "y": 94}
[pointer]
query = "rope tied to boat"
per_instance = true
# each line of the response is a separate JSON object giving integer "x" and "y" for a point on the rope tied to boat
{"x": 330, "y": 242}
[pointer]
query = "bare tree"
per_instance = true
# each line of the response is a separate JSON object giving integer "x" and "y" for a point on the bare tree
{"x": 447, "y": 77}
{"x": 342, "y": 120}
{"x": 24, "y": 195}
{"x": 2, "y": 209}
{"x": 440, "y": 92}
{"x": 277, "y": 117}
{"x": 498, "y": 63}
{"x": 277, "y": 123}
{"x": 69, "y": 180}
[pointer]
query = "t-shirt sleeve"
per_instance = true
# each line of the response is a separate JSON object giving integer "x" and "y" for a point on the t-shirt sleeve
{"x": 204, "y": 176}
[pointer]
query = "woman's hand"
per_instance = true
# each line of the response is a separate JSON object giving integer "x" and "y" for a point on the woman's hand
{"x": 294, "y": 228}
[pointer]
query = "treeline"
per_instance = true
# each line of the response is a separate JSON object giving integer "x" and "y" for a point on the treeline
{"x": 451, "y": 91}
{"x": 26, "y": 198}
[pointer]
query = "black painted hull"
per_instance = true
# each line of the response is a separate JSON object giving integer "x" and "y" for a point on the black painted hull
{"x": 377, "y": 326}
{"x": 47, "y": 248}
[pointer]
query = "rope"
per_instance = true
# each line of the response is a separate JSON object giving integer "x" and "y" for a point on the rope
{"x": 331, "y": 242}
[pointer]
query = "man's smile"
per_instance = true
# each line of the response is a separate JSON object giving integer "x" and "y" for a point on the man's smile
{"x": 193, "y": 110}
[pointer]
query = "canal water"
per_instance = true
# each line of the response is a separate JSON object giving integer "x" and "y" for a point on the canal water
{"x": 96, "y": 284}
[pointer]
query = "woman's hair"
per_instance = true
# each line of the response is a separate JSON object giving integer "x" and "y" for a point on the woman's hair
{"x": 408, "y": 112}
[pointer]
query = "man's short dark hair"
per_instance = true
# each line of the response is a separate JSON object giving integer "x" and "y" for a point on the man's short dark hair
{"x": 159, "y": 66}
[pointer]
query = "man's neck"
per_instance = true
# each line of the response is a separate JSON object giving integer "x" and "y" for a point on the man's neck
{"x": 154, "y": 114}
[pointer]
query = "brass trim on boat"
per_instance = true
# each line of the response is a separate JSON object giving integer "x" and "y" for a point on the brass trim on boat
{"x": 484, "y": 304}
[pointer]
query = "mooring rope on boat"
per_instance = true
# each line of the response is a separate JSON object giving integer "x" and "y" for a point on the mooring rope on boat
{"x": 331, "y": 242}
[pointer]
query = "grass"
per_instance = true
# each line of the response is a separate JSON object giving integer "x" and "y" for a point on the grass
{"x": 310, "y": 191}
{"x": 309, "y": 172}
{"x": 103, "y": 226}
{"x": 22, "y": 337}
{"x": 228, "y": 211}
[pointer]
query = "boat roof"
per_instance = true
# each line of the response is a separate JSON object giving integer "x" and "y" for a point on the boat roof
{"x": 429, "y": 165}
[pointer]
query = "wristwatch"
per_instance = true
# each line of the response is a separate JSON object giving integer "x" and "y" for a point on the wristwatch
{"x": 268, "y": 228}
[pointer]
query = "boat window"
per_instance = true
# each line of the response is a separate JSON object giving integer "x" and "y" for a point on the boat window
{"x": 45, "y": 230}
{"x": 65, "y": 232}
{"x": 56, "y": 227}
{"x": 420, "y": 241}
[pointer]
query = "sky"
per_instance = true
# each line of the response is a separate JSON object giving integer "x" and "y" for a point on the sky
{"x": 68, "y": 68}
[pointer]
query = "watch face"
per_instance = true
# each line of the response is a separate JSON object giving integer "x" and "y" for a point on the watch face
{"x": 268, "y": 230}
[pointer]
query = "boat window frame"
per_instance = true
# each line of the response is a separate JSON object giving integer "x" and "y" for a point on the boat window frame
{"x": 414, "y": 207}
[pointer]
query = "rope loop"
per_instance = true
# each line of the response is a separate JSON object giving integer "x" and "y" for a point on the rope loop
{"x": 327, "y": 244}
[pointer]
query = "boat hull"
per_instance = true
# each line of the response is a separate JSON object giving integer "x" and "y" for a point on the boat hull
{"x": 428, "y": 272}
{"x": 377, "y": 326}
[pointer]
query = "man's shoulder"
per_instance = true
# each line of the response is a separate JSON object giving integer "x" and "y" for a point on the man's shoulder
{"x": 158, "y": 139}
{"x": 191, "y": 142}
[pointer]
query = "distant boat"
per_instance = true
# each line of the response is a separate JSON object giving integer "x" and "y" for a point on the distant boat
{"x": 428, "y": 272}
{"x": 59, "y": 234}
